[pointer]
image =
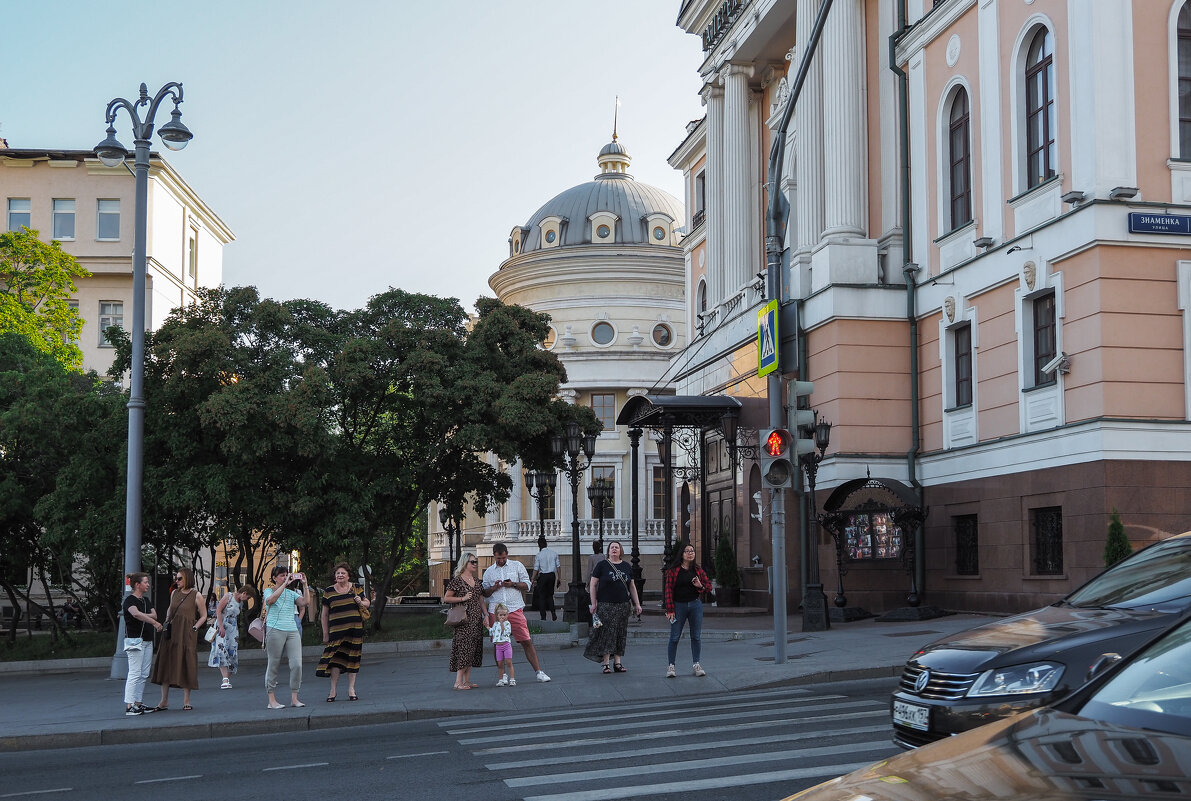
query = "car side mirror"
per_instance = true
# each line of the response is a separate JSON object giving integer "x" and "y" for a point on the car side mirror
{"x": 1102, "y": 663}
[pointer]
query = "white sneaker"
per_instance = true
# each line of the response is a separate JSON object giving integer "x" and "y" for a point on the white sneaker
{"x": 698, "y": 670}
{"x": 512, "y": 682}
{"x": 542, "y": 676}
{"x": 132, "y": 711}
{"x": 670, "y": 672}
{"x": 504, "y": 681}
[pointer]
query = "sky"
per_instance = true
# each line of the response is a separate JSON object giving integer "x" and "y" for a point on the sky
{"x": 361, "y": 144}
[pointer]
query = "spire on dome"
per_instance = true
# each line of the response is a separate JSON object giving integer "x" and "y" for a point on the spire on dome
{"x": 614, "y": 160}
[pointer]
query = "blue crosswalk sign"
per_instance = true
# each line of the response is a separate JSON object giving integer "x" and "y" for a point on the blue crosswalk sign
{"x": 767, "y": 339}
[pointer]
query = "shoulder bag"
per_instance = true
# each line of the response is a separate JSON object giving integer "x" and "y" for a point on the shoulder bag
{"x": 365, "y": 614}
{"x": 256, "y": 629}
{"x": 456, "y": 615}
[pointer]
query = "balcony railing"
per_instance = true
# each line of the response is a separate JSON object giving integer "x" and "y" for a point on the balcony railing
{"x": 528, "y": 530}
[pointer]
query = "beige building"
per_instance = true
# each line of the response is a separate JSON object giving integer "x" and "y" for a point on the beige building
{"x": 68, "y": 195}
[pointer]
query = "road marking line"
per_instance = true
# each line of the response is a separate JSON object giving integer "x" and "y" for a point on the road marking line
{"x": 701, "y": 745}
{"x": 656, "y": 735}
{"x": 701, "y": 784}
{"x": 169, "y": 779}
{"x": 785, "y": 714}
{"x": 296, "y": 767}
{"x": 38, "y": 792}
{"x": 703, "y": 764}
{"x": 411, "y": 756}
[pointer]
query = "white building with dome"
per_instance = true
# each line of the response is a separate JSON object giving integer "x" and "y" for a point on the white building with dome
{"x": 604, "y": 260}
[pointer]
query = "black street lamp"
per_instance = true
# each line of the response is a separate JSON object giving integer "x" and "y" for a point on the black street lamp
{"x": 814, "y": 602}
{"x": 599, "y": 492}
{"x": 570, "y": 445}
{"x": 540, "y": 485}
{"x": 174, "y": 135}
{"x": 454, "y": 542}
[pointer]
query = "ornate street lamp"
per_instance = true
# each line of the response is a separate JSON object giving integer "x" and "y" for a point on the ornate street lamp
{"x": 599, "y": 492}
{"x": 814, "y": 602}
{"x": 454, "y": 542}
{"x": 570, "y": 445}
{"x": 174, "y": 135}
{"x": 540, "y": 485}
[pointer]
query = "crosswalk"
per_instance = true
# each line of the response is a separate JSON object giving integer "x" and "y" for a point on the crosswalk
{"x": 774, "y": 742}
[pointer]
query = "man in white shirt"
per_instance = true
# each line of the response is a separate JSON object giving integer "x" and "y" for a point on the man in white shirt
{"x": 545, "y": 573}
{"x": 504, "y": 582}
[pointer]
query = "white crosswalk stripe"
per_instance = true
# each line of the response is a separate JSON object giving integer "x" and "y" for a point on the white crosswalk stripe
{"x": 645, "y": 750}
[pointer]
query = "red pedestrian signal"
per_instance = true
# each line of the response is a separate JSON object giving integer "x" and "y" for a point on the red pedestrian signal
{"x": 777, "y": 469}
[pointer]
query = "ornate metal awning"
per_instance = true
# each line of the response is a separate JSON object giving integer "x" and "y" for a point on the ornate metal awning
{"x": 678, "y": 411}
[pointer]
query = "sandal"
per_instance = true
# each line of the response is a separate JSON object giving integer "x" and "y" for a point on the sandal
{"x": 187, "y": 708}
{"x": 607, "y": 668}
{"x": 619, "y": 668}
{"x": 161, "y": 709}
{"x": 330, "y": 699}
{"x": 353, "y": 698}
{"x": 462, "y": 687}
{"x": 226, "y": 685}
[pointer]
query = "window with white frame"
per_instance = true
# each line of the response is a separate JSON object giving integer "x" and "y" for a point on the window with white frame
{"x": 959, "y": 158}
{"x": 19, "y": 213}
{"x": 1040, "y": 109}
{"x": 107, "y": 220}
{"x": 962, "y": 365}
{"x": 700, "y": 199}
{"x": 604, "y": 476}
{"x": 1183, "y": 44}
{"x": 603, "y": 405}
{"x": 657, "y": 506}
{"x": 63, "y": 218}
{"x": 192, "y": 255}
{"x": 1045, "y": 333}
{"x": 111, "y": 314}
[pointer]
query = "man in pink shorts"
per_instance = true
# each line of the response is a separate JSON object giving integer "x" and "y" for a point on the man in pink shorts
{"x": 504, "y": 582}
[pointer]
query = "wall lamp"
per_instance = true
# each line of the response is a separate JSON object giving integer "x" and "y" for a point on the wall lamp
{"x": 1123, "y": 193}
{"x": 984, "y": 242}
{"x": 1075, "y": 197}
{"x": 759, "y": 282}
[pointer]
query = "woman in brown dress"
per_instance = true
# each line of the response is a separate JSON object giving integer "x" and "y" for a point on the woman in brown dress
{"x": 176, "y": 662}
{"x": 467, "y": 646}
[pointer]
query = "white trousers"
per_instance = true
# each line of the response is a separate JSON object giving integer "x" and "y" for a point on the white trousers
{"x": 139, "y": 663}
{"x": 289, "y": 643}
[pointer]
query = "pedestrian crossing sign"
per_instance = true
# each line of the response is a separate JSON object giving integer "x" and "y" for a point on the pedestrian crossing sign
{"x": 767, "y": 339}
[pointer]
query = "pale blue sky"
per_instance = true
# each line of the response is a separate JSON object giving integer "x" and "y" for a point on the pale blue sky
{"x": 359, "y": 144}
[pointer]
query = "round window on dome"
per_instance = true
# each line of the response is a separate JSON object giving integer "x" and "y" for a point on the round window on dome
{"x": 603, "y": 333}
{"x": 551, "y": 235}
{"x": 659, "y": 233}
{"x": 551, "y": 338}
{"x": 603, "y": 231}
{"x": 662, "y": 335}
{"x": 516, "y": 245}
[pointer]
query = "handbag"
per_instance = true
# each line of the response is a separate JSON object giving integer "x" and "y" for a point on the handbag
{"x": 365, "y": 614}
{"x": 212, "y": 630}
{"x": 256, "y": 629}
{"x": 134, "y": 644}
{"x": 456, "y": 615}
{"x": 165, "y": 632}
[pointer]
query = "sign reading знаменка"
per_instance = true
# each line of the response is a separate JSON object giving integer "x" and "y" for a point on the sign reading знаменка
{"x": 1144, "y": 222}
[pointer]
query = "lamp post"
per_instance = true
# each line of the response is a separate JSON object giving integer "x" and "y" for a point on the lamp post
{"x": 569, "y": 445}
{"x": 174, "y": 135}
{"x": 540, "y": 485}
{"x": 599, "y": 492}
{"x": 452, "y": 528}
{"x": 814, "y": 602}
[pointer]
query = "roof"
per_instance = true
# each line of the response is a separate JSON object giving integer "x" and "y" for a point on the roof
{"x": 679, "y": 411}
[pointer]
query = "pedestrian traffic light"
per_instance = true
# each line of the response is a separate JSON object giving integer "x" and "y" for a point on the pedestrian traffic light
{"x": 801, "y": 417}
{"x": 777, "y": 452}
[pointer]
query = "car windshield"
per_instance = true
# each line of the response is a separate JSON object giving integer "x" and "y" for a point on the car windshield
{"x": 1153, "y": 691}
{"x": 1159, "y": 574}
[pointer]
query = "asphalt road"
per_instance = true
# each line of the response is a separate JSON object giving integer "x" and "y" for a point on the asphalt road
{"x": 757, "y": 744}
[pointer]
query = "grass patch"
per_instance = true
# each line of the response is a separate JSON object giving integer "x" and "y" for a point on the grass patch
{"x": 75, "y": 645}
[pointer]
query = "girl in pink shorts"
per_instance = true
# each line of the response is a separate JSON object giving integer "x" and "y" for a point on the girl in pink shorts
{"x": 502, "y": 641}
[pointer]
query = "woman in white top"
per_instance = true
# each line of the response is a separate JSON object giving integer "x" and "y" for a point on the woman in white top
{"x": 225, "y": 651}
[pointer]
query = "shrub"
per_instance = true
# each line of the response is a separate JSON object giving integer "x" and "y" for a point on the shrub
{"x": 726, "y": 574}
{"x": 1117, "y": 547}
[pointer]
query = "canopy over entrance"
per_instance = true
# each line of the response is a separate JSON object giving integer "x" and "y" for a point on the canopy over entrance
{"x": 679, "y": 411}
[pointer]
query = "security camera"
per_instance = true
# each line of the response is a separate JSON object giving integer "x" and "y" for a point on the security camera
{"x": 1062, "y": 363}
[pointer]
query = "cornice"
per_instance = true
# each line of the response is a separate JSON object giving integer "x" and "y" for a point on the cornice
{"x": 691, "y": 148}
{"x": 930, "y": 27}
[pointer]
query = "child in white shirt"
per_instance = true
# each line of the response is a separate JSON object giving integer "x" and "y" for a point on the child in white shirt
{"x": 502, "y": 641}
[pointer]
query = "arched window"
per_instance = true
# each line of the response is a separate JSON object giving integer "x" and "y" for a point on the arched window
{"x": 1184, "y": 56}
{"x": 959, "y": 159}
{"x": 1041, "y": 155}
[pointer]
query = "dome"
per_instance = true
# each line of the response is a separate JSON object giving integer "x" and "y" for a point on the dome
{"x": 612, "y": 192}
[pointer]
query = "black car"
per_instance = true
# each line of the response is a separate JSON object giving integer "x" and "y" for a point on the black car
{"x": 1026, "y": 661}
{"x": 1124, "y": 736}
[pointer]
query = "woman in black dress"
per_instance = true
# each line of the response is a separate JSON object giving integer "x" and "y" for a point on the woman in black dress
{"x": 613, "y": 597}
{"x": 467, "y": 646}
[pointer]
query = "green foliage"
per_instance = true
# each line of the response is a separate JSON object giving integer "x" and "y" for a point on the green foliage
{"x": 1117, "y": 547}
{"x": 726, "y": 572}
{"x": 36, "y": 279}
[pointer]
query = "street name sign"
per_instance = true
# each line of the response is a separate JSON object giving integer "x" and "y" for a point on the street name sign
{"x": 1145, "y": 222}
{"x": 767, "y": 339}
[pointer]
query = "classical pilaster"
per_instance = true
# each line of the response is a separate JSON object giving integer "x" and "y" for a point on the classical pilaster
{"x": 738, "y": 203}
{"x": 515, "y": 511}
{"x": 845, "y": 186}
{"x": 713, "y": 98}
{"x": 808, "y": 116}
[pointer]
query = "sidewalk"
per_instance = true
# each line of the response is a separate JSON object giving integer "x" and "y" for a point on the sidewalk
{"x": 410, "y": 680}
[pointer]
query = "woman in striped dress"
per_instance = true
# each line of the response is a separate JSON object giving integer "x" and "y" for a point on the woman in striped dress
{"x": 343, "y": 631}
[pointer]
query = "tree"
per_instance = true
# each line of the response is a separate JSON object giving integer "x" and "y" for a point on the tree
{"x": 36, "y": 280}
{"x": 1117, "y": 547}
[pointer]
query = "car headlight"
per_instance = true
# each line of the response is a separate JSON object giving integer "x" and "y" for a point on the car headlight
{"x": 1039, "y": 677}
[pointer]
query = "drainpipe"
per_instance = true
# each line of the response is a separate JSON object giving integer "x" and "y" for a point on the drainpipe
{"x": 910, "y": 270}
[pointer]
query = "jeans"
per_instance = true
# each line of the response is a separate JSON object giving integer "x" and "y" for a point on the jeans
{"x": 684, "y": 612}
{"x": 287, "y": 642}
{"x": 139, "y": 663}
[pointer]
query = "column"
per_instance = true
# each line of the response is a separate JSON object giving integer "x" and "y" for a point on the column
{"x": 713, "y": 98}
{"x": 808, "y": 115}
{"x": 515, "y": 511}
{"x": 738, "y": 203}
{"x": 845, "y": 187}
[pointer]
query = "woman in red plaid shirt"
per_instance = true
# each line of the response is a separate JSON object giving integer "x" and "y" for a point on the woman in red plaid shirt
{"x": 685, "y": 582}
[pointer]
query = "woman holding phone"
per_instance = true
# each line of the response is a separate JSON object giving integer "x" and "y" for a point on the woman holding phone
{"x": 684, "y": 583}
{"x": 282, "y": 636}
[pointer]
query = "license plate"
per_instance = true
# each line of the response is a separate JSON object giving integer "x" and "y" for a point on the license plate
{"x": 911, "y": 715}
